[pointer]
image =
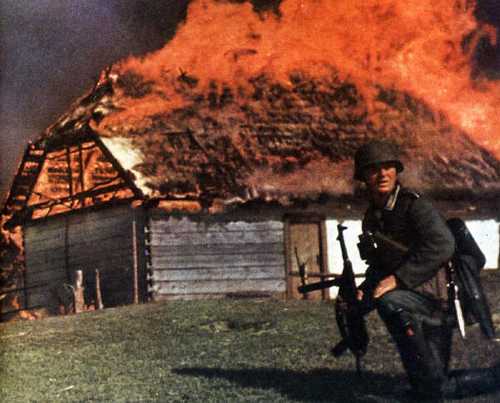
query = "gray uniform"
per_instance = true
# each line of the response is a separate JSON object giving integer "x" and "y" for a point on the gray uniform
{"x": 415, "y": 313}
{"x": 412, "y": 221}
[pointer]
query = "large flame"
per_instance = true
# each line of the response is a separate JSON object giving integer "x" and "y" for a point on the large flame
{"x": 422, "y": 47}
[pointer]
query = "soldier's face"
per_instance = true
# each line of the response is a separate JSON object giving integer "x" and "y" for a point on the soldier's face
{"x": 381, "y": 178}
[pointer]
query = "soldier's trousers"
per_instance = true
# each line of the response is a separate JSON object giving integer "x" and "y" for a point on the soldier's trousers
{"x": 416, "y": 324}
{"x": 423, "y": 344}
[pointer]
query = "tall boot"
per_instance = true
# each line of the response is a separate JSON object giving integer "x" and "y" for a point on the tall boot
{"x": 472, "y": 382}
{"x": 439, "y": 339}
{"x": 424, "y": 367}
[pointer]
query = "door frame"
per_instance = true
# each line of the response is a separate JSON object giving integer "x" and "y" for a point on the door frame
{"x": 312, "y": 218}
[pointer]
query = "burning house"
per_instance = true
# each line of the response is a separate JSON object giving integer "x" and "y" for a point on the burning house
{"x": 216, "y": 181}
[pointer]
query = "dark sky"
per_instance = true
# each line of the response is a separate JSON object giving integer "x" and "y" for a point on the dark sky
{"x": 51, "y": 52}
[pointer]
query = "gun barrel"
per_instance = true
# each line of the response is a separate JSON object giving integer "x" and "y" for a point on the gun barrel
{"x": 320, "y": 285}
{"x": 395, "y": 245}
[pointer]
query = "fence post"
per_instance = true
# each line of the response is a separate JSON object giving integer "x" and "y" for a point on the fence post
{"x": 98, "y": 295}
{"x": 78, "y": 292}
{"x": 135, "y": 259}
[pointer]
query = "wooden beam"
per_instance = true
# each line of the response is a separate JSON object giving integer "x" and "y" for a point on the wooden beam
{"x": 81, "y": 171}
{"x": 323, "y": 252}
{"x": 69, "y": 139}
{"x": 32, "y": 153}
{"x": 57, "y": 154}
{"x": 323, "y": 275}
{"x": 288, "y": 258}
{"x": 70, "y": 172}
{"x": 135, "y": 258}
{"x": 24, "y": 288}
{"x": 98, "y": 294}
{"x": 89, "y": 193}
{"x": 124, "y": 174}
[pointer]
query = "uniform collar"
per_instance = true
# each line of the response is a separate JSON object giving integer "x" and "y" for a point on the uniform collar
{"x": 393, "y": 198}
{"x": 391, "y": 201}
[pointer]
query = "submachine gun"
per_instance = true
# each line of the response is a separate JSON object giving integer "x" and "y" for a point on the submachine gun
{"x": 464, "y": 285}
{"x": 348, "y": 311}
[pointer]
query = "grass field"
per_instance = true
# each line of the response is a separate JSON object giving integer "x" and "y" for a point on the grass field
{"x": 206, "y": 351}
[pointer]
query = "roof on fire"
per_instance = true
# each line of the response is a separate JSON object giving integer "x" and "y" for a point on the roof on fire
{"x": 270, "y": 141}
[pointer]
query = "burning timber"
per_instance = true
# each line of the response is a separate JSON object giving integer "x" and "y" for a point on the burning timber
{"x": 214, "y": 195}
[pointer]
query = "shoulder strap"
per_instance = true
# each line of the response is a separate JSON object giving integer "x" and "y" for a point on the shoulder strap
{"x": 407, "y": 197}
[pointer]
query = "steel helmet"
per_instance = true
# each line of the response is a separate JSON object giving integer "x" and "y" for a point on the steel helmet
{"x": 375, "y": 152}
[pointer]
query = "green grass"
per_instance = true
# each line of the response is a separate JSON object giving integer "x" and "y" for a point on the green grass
{"x": 207, "y": 351}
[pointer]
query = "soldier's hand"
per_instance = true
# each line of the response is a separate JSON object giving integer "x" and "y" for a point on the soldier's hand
{"x": 359, "y": 295}
{"x": 387, "y": 284}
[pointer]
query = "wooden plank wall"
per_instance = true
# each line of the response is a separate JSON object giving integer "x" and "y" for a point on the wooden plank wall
{"x": 196, "y": 258}
{"x": 100, "y": 239}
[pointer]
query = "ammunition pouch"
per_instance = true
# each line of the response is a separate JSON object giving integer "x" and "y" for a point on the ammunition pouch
{"x": 367, "y": 247}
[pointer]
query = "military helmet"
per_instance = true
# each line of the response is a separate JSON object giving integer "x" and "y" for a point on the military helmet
{"x": 375, "y": 152}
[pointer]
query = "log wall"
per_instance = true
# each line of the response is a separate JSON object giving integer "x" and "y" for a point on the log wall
{"x": 196, "y": 257}
{"x": 101, "y": 239}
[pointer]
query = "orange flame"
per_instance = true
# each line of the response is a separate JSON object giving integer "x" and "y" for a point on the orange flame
{"x": 411, "y": 45}
{"x": 22, "y": 314}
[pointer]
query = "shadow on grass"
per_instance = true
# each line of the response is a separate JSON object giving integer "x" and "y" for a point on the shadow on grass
{"x": 313, "y": 386}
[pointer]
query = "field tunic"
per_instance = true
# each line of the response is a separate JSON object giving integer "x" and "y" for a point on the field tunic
{"x": 411, "y": 220}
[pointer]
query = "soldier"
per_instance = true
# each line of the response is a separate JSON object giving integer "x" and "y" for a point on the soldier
{"x": 409, "y": 289}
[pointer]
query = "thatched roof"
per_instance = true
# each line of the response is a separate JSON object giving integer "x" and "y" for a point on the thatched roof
{"x": 273, "y": 141}
{"x": 268, "y": 141}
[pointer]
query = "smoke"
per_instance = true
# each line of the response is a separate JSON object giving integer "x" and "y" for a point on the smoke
{"x": 487, "y": 54}
{"x": 426, "y": 48}
{"x": 51, "y": 51}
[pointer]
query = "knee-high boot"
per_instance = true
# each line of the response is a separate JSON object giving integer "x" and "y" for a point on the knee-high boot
{"x": 425, "y": 368}
{"x": 439, "y": 339}
{"x": 471, "y": 382}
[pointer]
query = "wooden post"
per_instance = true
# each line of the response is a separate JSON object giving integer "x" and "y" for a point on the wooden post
{"x": 81, "y": 172}
{"x": 23, "y": 271}
{"x": 70, "y": 172}
{"x": 136, "y": 263}
{"x": 78, "y": 292}
{"x": 288, "y": 259}
{"x": 323, "y": 256}
{"x": 98, "y": 295}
